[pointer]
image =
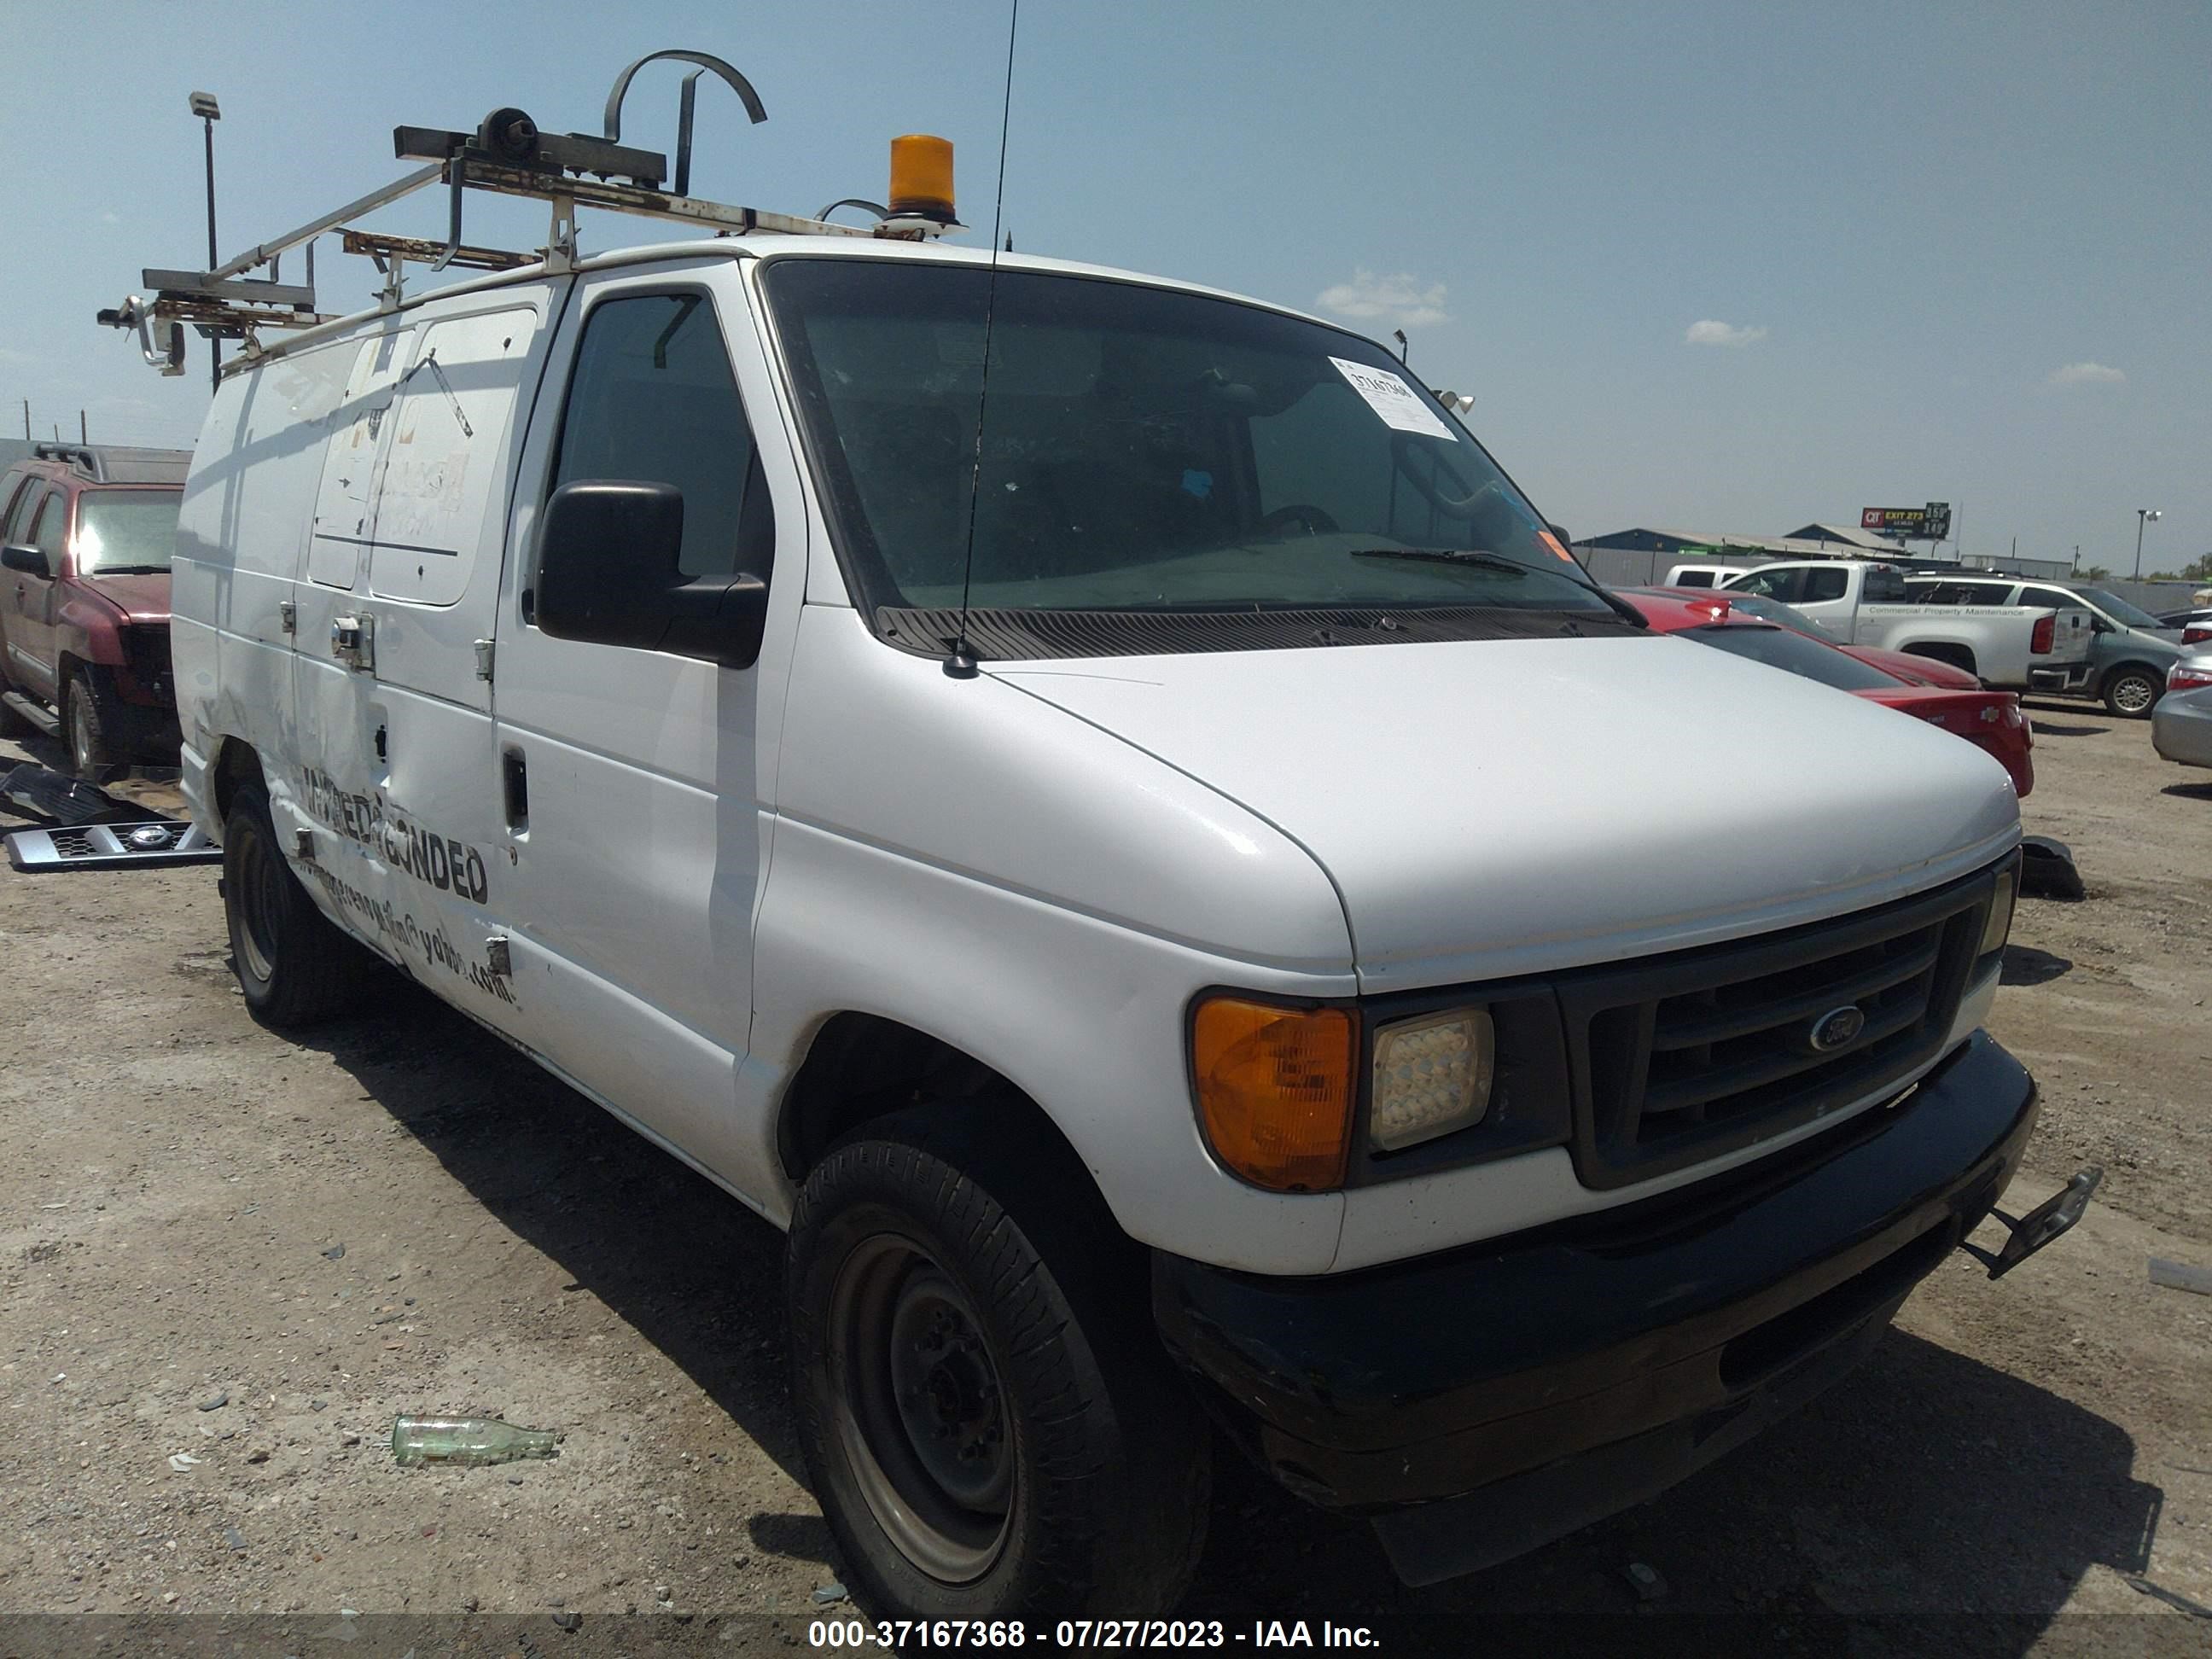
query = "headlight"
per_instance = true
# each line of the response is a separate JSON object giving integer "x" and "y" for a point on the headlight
{"x": 1274, "y": 1090}
{"x": 1432, "y": 1076}
{"x": 1999, "y": 926}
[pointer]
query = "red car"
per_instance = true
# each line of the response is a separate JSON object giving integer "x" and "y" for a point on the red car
{"x": 1989, "y": 719}
{"x": 85, "y": 538}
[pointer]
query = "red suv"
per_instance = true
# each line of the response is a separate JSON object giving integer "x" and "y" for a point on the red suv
{"x": 84, "y": 601}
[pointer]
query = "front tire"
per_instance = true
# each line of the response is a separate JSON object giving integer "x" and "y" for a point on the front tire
{"x": 93, "y": 754}
{"x": 2131, "y": 693}
{"x": 294, "y": 967}
{"x": 987, "y": 1418}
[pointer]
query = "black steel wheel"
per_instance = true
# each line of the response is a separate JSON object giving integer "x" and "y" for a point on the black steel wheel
{"x": 922, "y": 1412}
{"x": 92, "y": 755}
{"x": 987, "y": 1417}
{"x": 294, "y": 967}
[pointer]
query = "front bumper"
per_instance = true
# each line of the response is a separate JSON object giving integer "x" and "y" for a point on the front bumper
{"x": 2181, "y": 729}
{"x": 1481, "y": 1402}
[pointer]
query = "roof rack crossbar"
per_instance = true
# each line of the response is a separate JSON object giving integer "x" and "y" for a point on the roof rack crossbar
{"x": 85, "y": 458}
{"x": 420, "y": 179}
{"x": 506, "y": 155}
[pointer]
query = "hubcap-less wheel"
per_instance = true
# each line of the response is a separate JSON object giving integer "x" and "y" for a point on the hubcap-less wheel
{"x": 260, "y": 894}
{"x": 83, "y": 748}
{"x": 2134, "y": 694}
{"x": 922, "y": 1413}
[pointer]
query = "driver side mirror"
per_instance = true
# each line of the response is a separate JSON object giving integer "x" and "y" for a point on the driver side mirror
{"x": 2098, "y": 625}
{"x": 608, "y": 574}
{"x": 25, "y": 558}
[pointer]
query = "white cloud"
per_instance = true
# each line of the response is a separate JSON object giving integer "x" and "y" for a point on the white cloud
{"x": 9, "y": 355}
{"x": 2085, "y": 374}
{"x": 1709, "y": 332}
{"x": 1401, "y": 301}
{"x": 111, "y": 218}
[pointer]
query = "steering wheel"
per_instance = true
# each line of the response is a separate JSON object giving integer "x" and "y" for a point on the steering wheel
{"x": 1311, "y": 519}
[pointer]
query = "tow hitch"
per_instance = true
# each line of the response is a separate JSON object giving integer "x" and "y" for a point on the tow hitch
{"x": 2041, "y": 1225}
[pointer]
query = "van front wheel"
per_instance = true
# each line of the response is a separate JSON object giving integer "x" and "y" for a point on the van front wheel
{"x": 293, "y": 966}
{"x": 991, "y": 1426}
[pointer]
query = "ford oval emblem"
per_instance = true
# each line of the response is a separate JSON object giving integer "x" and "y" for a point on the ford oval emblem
{"x": 1836, "y": 1028}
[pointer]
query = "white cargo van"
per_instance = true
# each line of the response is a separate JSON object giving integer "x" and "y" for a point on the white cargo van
{"x": 1151, "y": 864}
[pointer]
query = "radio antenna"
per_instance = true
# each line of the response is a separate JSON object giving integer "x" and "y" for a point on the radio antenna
{"x": 961, "y": 664}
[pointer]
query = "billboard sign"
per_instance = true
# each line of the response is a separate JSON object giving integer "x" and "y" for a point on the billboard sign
{"x": 1932, "y": 523}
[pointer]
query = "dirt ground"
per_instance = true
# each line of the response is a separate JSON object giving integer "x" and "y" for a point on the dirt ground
{"x": 402, "y": 1215}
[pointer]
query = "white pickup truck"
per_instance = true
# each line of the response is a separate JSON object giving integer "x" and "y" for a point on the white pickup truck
{"x": 1857, "y": 603}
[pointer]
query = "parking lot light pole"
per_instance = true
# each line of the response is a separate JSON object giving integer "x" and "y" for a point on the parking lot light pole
{"x": 210, "y": 111}
{"x": 2143, "y": 516}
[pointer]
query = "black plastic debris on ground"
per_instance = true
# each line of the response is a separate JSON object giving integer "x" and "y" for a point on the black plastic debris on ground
{"x": 46, "y": 794}
{"x": 2047, "y": 871}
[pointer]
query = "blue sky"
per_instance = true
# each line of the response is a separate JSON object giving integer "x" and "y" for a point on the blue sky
{"x": 1728, "y": 267}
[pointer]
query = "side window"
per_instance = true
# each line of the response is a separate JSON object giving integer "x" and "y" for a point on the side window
{"x": 1785, "y": 585}
{"x": 1884, "y": 587}
{"x": 1987, "y": 593}
{"x": 1824, "y": 583}
{"x": 52, "y": 533}
{"x": 653, "y": 401}
{"x": 1695, "y": 579}
{"x": 16, "y": 527}
{"x": 2040, "y": 598}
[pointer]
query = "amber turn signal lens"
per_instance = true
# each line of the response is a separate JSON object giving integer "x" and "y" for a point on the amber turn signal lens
{"x": 1275, "y": 1091}
{"x": 922, "y": 177}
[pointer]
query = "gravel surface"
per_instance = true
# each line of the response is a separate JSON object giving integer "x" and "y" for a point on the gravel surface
{"x": 227, "y": 1260}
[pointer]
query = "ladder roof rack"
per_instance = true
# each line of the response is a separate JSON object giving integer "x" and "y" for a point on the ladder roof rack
{"x": 507, "y": 154}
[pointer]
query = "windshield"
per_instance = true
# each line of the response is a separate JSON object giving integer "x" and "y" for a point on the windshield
{"x": 1141, "y": 451}
{"x": 1779, "y": 648}
{"x": 125, "y": 530}
{"x": 2119, "y": 610}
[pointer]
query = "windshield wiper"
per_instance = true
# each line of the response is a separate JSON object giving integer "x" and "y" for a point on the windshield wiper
{"x": 1446, "y": 555}
{"x": 1621, "y": 607}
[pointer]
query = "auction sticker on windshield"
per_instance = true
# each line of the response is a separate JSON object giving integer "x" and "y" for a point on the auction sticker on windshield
{"x": 1389, "y": 397}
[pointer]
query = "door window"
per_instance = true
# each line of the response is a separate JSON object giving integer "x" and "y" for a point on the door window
{"x": 19, "y": 520}
{"x": 51, "y": 536}
{"x": 1826, "y": 583}
{"x": 653, "y": 401}
{"x": 1785, "y": 585}
{"x": 19, "y": 511}
{"x": 1884, "y": 586}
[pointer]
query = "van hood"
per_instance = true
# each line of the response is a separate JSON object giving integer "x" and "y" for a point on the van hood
{"x": 142, "y": 596}
{"x": 1517, "y": 806}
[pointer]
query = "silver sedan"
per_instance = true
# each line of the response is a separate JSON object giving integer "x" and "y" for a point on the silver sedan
{"x": 2181, "y": 726}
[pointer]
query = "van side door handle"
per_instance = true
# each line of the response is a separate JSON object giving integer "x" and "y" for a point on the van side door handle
{"x": 515, "y": 782}
{"x": 353, "y": 640}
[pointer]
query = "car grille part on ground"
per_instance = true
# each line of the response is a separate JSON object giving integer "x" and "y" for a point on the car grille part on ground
{"x": 111, "y": 845}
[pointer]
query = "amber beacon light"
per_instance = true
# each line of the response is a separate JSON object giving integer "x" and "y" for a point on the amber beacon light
{"x": 1275, "y": 1090}
{"x": 922, "y": 177}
